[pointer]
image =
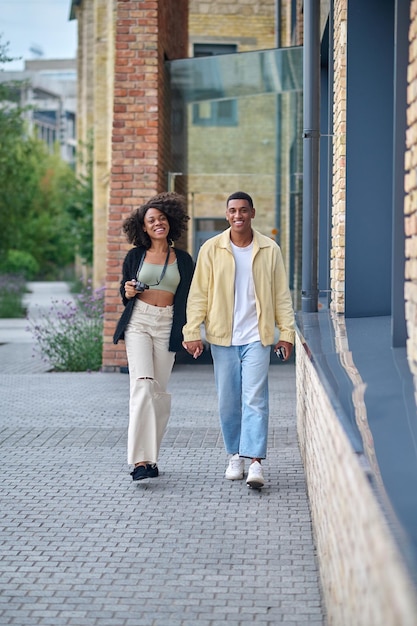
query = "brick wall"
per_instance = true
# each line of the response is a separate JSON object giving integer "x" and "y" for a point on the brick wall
{"x": 103, "y": 63}
{"x": 147, "y": 32}
{"x": 95, "y": 61}
{"x": 85, "y": 81}
{"x": 85, "y": 96}
{"x": 124, "y": 99}
{"x": 214, "y": 171}
{"x": 410, "y": 206}
{"x": 337, "y": 259}
{"x": 363, "y": 576}
{"x": 250, "y": 24}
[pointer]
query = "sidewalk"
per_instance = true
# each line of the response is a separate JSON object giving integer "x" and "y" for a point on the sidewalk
{"x": 83, "y": 545}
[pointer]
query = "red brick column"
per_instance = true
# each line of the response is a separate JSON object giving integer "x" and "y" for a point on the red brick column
{"x": 148, "y": 32}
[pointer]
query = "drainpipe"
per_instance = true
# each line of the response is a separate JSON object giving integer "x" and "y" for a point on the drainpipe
{"x": 311, "y": 138}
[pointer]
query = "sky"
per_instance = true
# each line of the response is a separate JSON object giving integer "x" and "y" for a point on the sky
{"x": 43, "y": 24}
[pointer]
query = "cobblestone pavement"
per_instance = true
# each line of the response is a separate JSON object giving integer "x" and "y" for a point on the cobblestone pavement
{"x": 81, "y": 544}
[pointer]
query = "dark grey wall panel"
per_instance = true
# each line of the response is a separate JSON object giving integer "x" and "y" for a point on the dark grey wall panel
{"x": 369, "y": 157}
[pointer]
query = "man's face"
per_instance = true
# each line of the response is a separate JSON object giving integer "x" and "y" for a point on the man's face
{"x": 239, "y": 214}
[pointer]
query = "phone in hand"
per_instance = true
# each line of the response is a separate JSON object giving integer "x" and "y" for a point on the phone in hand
{"x": 280, "y": 353}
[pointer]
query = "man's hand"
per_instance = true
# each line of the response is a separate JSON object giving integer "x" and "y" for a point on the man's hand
{"x": 195, "y": 348}
{"x": 286, "y": 347}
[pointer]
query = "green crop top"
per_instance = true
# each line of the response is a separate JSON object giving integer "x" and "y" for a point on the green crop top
{"x": 151, "y": 273}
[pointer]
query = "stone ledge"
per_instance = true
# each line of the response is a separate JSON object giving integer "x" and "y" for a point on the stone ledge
{"x": 363, "y": 550}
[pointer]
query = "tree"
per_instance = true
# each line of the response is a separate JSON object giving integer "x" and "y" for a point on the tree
{"x": 13, "y": 157}
{"x": 45, "y": 210}
{"x": 80, "y": 208}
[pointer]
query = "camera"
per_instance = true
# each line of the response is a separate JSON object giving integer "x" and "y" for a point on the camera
{"x": 139, "y": 285}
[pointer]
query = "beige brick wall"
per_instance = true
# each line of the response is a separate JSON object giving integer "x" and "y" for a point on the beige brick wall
{"x": 245, "y": 21}
{"x": 410, "y": 205}
{"x": 147, "y": 32}
{"x": 215, "y": 173}
{"x": 244, "y": 157}
{"x": 337, "y": 255}
{"x": 364, "y": 579}
{"x": 287, "y": 36}
{"x": 250, "y": 24}
{"x": 95, "y": 60}
{"x": 85, "y": 97}
{"x": 103, "y": 118}
{"x": 218, "y": 164}
{"x": 85, "y": 65}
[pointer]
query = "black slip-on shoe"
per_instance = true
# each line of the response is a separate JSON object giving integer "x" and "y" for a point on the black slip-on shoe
{"x": 139, "y": 473}
{"x": 152, "y": 470}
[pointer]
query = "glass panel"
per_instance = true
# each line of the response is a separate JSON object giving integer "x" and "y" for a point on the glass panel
{"x": 237, "y": 125}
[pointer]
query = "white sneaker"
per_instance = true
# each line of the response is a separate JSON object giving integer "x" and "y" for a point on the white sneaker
{"x": 255, "y": 477}
{"x": 235, "y": 468}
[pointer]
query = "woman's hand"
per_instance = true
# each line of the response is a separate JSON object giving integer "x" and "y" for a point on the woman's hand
{"x": 195, "y": 348}
{"x": 130, "y": 291}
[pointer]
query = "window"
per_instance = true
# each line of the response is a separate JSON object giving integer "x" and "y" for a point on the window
{"x": 218, "y": 112}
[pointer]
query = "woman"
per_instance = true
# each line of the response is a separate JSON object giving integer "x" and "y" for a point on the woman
{"x": 154, "y": 289}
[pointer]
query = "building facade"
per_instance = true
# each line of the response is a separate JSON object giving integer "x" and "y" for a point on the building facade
{"x": 125, "y": 109}
{"x": 356, "y": 352}
{"x": 48, "y": 88}
{"x": 356, "y": 359}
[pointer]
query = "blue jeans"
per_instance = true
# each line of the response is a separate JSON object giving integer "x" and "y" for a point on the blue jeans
{"x": 241, "y": 375}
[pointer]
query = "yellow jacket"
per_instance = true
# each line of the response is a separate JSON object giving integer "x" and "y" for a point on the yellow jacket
{"x": 211, "y": 296}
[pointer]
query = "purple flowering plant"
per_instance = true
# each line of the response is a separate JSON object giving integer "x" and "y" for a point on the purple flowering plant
{"x": 69, "y": 335}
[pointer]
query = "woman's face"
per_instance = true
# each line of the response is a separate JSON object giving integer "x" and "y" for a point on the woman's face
{"x": 156, "y": 225}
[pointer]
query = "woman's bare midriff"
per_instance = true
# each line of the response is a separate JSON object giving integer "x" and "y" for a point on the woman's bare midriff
{"x": 156, "y": 297}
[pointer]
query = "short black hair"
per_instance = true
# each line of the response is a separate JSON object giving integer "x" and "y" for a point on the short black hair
{"x": 240, "y": 195}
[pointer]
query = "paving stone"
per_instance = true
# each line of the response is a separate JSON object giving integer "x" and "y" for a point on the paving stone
{"x": 82, "y": 544}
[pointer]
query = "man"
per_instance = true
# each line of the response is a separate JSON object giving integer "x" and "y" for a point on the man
{"x": 240, "y": 292}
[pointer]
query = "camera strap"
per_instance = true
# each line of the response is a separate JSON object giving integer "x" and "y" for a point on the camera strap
{"x": 164, "y": 269}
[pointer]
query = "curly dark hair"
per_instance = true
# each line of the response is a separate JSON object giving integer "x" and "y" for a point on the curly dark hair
{"x": 171, "y": 204}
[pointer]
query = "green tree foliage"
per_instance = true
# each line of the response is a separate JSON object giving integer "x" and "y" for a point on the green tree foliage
{"x": 80, "y": 208}
{"x": 45, "y": 210}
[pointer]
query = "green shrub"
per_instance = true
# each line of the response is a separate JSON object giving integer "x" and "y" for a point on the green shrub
{"x": 70, "y": 335}
{"x": 20, "y": 262}
{"x": 12, "y": 290}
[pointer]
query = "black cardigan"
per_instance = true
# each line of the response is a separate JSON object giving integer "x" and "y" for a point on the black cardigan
{"x": 185, "y": 268}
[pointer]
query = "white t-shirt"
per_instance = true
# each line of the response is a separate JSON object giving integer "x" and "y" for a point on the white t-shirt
{"x": 245, "y": 324}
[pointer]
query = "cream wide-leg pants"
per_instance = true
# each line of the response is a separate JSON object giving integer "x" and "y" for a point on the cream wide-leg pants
{"x": 150, "y": 366}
